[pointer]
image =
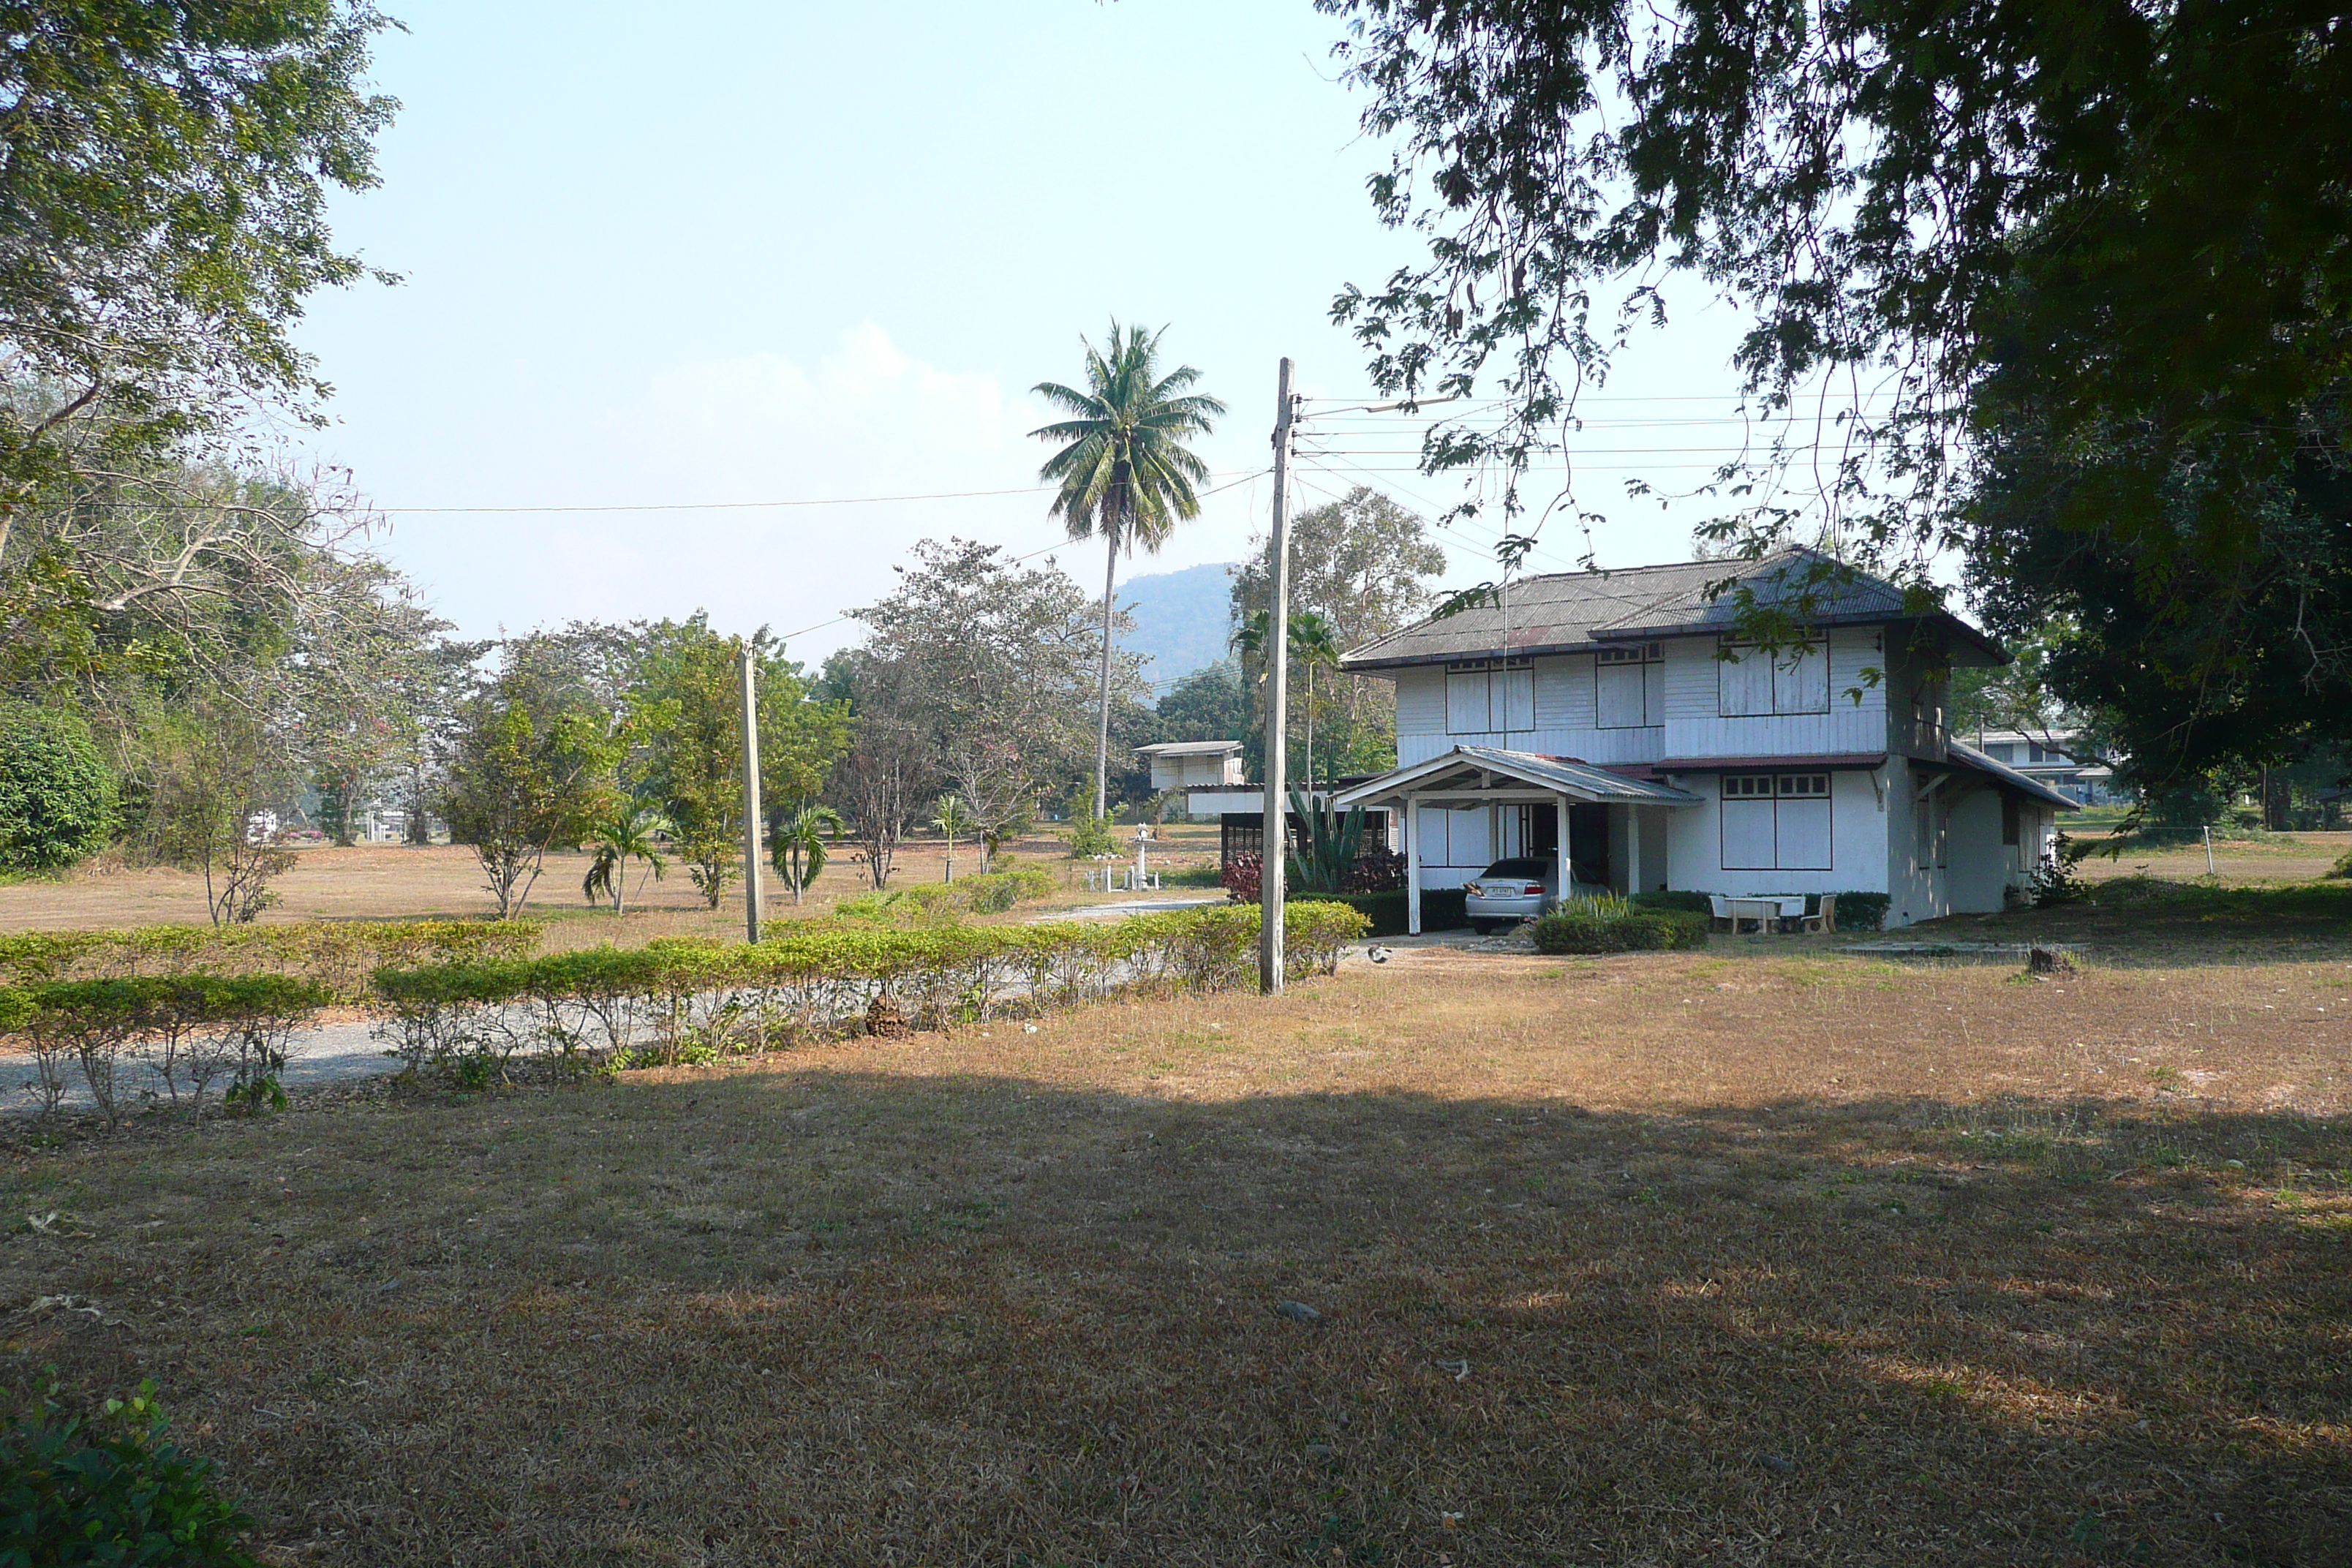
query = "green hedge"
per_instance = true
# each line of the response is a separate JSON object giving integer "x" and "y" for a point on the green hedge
{"x": 690, "y": 1000}
{"x": 1689, "y": 903}
{"x": 1441, "y": 909}
{"x": 1617, "y": 925}
{"x": 1861, "y": 912}
{"x": 337, "y": 954}
{"x": 194, "y": 1029}
{"x": 989, "y": 893}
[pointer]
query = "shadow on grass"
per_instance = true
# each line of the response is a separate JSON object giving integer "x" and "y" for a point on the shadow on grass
{"x": 818, "y": 1315}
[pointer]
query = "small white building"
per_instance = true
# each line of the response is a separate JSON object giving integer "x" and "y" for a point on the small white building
{"x": 1194, "y": 764}
{"x": 1613, "y": 720}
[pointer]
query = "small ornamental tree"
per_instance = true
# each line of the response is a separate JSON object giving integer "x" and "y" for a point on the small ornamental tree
{"x": 56, "y": 797}
{"x": 524, "y": 782}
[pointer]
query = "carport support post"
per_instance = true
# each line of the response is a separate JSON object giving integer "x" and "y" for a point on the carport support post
{"x": 1632, "y": 851}
{"x": 1412, "y": 865}
{"x": 1276, "y": 654}
{"x": 1566, "y": 886}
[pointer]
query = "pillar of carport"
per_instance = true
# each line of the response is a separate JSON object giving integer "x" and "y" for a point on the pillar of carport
{"x": 1567, "y": 869}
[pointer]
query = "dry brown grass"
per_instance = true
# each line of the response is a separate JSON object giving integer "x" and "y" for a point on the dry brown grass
{"x": 1752, "y": 1256}
{"x": 399, "y": 882}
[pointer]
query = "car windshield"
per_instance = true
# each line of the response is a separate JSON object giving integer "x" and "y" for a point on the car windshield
{"x": 1514, "y": 868}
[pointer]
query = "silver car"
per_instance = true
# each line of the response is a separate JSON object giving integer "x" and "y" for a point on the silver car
{"x": 1508, "y": 891}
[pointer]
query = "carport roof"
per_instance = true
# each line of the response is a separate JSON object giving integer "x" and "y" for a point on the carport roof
{"x": 1569, "y": 777}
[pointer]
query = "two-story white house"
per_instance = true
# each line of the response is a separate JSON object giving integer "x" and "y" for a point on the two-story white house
{"x": 1611, "y": 720}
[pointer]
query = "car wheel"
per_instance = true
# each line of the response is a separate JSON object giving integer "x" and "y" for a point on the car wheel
{"x": 1484, "y": 928}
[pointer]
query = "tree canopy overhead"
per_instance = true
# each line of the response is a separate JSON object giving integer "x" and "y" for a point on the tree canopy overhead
{"x": 2085, "y": 257}
{"x": 163, "y": 174}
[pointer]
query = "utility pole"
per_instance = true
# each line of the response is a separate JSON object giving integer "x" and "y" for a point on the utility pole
{"x": 750, "y": 794}
{"x": 1275, "y": 840}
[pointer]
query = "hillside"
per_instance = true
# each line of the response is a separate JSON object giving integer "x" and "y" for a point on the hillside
{"x": 1181, "y": 619}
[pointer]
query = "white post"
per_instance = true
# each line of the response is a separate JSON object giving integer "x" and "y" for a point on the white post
{"x": 1277, "y": 703}
{"x": 752, "y": 911}
{"x": 1412, "y": 865}
{"x": 1566, "y": 871}
{"x": 1632, "y": 851}
{"x": 2209, "y": 849}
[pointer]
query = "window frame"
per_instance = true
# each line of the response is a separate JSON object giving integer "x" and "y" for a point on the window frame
{"x": 1638, "y": 658}
{"x": 1804, "y": 787}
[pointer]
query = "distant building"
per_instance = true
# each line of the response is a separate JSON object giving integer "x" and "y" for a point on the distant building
{"x": 2059, "y": 758}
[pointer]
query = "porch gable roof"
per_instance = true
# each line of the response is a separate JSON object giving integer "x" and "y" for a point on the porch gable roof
{"x": 1569, "y": 777}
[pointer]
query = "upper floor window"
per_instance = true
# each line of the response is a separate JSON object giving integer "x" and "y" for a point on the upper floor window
{"x": 1750, "y": 680}
{"x": 1629, "y": 685}
{"x": 1483, "y": 699}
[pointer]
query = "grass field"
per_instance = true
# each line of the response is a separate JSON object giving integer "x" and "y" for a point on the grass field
{"x": 399, "y": 881}
{"x": 1754, "y": 1255}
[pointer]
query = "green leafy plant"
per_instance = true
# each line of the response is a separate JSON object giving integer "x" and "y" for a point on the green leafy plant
{"x": 1612, "y": 924}
{"x": 56, "y": 797}
{"x": 111, "y": 1490}
{"x": 1089, "y": 832}
{"x": 796, "y": 845}
{"x": 955, "y": 822}
{"x": 1328, "y": 846}
{"x": 623, "y": 837}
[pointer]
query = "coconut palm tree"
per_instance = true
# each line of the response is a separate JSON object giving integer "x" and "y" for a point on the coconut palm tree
{"x": 624, "y": 837}
{"x": 796, "y": 845}
{"x": 1124, "y": 470}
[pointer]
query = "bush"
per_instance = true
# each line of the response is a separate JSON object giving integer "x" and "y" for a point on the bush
{"x": 56, "y": 797}
{"x": 1689, "y": 903}
{"x": 115, "y": 1491}
{"x": 337, "y": 954}
{"x": 692, "y": 998}
{"x": 989, "y": 893}
{"x": 1617, "y": 925}
{"x": 2342, "y": 867}
{"x": 1390, "y": 913}
{"x": 1863, "y": 911}
{"x": 191, "y": 1029}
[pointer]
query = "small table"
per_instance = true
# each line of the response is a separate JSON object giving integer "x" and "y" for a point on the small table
{"x": 1765, "y": 912}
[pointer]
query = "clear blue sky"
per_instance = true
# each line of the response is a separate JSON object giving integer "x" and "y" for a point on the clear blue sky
{"x": 738, "y": 252}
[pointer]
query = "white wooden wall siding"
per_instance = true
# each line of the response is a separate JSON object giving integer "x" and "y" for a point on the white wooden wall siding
{"x": 1685, "y": 691}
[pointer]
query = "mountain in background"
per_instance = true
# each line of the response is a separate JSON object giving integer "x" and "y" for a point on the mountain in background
{"x": 1182, "y": 620}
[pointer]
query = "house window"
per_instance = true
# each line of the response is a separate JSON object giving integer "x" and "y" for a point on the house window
{"x": 1482, "y": 700}
{"x": 1776, "y": 822}
{"x": 2002, "y": 752}
{"x": 1629, "y": 686}
{"x": 1751, "y": 681}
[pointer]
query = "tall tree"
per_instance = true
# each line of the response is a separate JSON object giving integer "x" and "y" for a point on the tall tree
{"x": 164, "y": 174}
{"x": 1125, "y": 471}
{"x": 2110, "y": 238}
{"x": 532, "y": 771}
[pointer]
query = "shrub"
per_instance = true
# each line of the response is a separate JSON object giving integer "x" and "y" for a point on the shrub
{"x": 1391, "y": 911}
{"x": 113, "y": 1490}
{"x": 1616, "y": 925}
{"x": 1689, "y": 903}
{"x": 2342, "y": 867}
{"x": 56, "y": 797}
{"x": 991, "y": 892}
{"x": 192, "y": 1029}
{"x": 1861, "y": 911}
{"x": 692, "y": 998}
{"x": 337, "y": 954}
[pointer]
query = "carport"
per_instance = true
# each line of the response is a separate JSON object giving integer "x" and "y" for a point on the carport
{"x": 1498, "y": 799}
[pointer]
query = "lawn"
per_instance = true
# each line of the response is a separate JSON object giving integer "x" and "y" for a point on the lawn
{"x": 1754, "y": 1255}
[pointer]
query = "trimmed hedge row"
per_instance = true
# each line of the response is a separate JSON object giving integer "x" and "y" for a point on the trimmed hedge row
{"x": 1617, "y": 925}
{"x": 191, "y": 1029}
{"x": 337, "y": 954}
{"x": 1441, "y": 909}
{"x": 692, "y": 999}
{"x": 604, "y": 1008}
{"x": 989, "y": 893}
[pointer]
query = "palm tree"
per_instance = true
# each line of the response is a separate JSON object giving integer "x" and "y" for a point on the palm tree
{"x": 796, "y": 845}
{"x": 951, "y": 820}
{"x": 624, "y": 837}
{"x": 1125, "y": 471}
{"x": 1313, "y": 641}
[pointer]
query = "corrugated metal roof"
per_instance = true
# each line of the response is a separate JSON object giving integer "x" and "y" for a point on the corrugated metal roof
{"x": 1572, "y": 610}
{"x": 1190, "y": 749}
{"x": 1576, "y": 779}
{"x": 1968, "y": 756}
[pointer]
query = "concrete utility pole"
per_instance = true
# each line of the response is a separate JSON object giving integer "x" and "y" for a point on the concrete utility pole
{"x": 1277, "y": 704}
{"x": 751, "y": 796}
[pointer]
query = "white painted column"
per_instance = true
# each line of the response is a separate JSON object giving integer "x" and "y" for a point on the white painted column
{"x": 1565, "y": 884}
{"x": 1632, "y": 851}
{"x": 1412, "y": 865}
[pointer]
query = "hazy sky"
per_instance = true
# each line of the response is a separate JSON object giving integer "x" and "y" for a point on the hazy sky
{"x": 753, "y": 253}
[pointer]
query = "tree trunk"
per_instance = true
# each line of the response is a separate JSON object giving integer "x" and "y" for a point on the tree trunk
{"x": 1102, "y": 728}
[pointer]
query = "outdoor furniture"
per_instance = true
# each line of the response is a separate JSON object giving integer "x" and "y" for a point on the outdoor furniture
{"x": 1719, "y": 909}
{"x": 1823, "y": 915}
{"x": 1765, "y": 913}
